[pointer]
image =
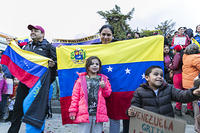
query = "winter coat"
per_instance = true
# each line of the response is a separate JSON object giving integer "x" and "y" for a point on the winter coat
{"x": 144, "y": 97}
{"x": 3, "y": 85}
{"x": 79, "y": 103}
{"x": 190, "y": 69}
{"x": 176, "y": 65}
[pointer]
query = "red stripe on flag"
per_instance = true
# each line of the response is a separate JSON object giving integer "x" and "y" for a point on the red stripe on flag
{"x": 65, "y": 102}
{"x": 25, "y": 77}
{"x": 118, "y": 104}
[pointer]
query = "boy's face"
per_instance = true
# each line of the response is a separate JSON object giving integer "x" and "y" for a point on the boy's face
{"x": 94, "y": 67}
{"x": 155, "y": 78}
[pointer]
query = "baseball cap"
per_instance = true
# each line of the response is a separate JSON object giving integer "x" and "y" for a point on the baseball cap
{"x": 30, "y": 27}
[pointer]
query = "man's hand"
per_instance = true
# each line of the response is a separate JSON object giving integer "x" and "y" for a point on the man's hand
{"x": 102, "y": 84}
{"x": 9, "y": 39}
{"x": 51, "y": 63}
{"x": 72, "y": 117}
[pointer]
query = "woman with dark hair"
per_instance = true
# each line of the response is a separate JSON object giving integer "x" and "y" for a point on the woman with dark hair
{"x": 197, "y": 36}
{"x": 190, "y": 70}
{"x": 181, "y": 37}
{"x": 106, "y": 33}
{"x": 176, "y": 67}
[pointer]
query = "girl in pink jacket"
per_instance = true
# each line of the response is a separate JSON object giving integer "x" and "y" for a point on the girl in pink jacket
{"x": 88, "y": 105}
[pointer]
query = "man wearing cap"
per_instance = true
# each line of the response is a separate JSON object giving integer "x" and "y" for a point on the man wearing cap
{"x": 40, "y": 46}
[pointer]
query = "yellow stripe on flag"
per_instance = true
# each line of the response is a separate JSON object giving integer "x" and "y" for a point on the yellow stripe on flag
{"x": 33, "y": 57}
{"x": 128, "y": 51}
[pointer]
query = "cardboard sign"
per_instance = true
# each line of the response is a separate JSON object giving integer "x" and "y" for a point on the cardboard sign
{"x": 10, "y": 86}
{"x": 149, "y": 122}
{"x": 179, "y": 40}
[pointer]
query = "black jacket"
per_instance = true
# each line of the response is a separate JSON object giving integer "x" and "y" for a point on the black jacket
{"x": 144, "y": 97}
{"x": 44, "y": 48}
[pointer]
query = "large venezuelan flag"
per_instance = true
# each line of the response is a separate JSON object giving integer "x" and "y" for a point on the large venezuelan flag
{"x": 32, "y": 70}
{"x": 124, "y": 62}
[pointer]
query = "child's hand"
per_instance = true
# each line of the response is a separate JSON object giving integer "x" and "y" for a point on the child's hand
{"x": 72, "y": 117}
{"x": 131, "y": 111}
{"x": 102, "y": 84}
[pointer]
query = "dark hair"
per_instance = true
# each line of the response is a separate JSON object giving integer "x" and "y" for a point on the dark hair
{"x": 128, "y": 33}
{"x": 149, "y": 70}
{"x": 189, "y": 32}
{"x": 192, "y": 49}
{"x": 181, "y": 27}
{"x": 89, "y": 62}
{"x": 137, "y": 33}
{"x": 107, "y": 26}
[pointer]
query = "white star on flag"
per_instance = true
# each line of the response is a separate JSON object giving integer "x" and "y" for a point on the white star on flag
{"x": 128, "y": 71}
{"x": 143, "y": 76}
{"x": 109, "y": 69}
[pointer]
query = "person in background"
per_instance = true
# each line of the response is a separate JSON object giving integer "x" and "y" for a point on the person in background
{"x": 168, "y": 40}
{"x": 3, "y": 89}
{"x": 92, "y": 87}
{"x": 176, "y": 68}
{"x": 190, "y": 69}
{"x": 167, "y": 61}
{"x": 129, "y": 36}
{"x": 181, "y": 34}
{"x": 197, "y": 36}
{"x": 136, "y": 35}
{"x": 9, "y": 81}
{"x": 11, "y": 100}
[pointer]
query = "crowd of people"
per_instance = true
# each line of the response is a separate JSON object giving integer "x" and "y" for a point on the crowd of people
{"x": 88, "y": 106}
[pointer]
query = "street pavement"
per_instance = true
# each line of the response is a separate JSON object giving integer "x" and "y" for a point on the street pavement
{"x": 54, "y": 125}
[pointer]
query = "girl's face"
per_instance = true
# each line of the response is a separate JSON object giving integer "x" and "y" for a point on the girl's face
{"x": 106, "y": 36}
{"x": 198, "y": 29}
{"x": 94, "y": 67}
{"x": 181, "y": 31}
{"x": 166, "y": 50}
{"x": 155, "y": 78}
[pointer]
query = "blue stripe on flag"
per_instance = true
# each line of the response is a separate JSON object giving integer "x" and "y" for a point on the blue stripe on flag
{"x": 30, "y": 67}
{"x": 123, "y": 77}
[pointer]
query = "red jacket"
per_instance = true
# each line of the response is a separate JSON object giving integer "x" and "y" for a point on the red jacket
{"x": 79, "y": 103}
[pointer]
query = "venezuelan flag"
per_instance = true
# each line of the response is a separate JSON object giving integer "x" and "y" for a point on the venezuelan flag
{"x": 32, "y": 70}
{"x": 195, "y": 42}
{"x": 22, "y": 41}
{"x": 27, "y": 66}
{"x": 124, "y": 62}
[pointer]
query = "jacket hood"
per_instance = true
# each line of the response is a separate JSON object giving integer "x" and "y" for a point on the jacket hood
{"x": 146, "y": 85}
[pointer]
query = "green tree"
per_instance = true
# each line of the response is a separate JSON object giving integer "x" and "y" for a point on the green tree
{"x": 166, "y": 27}
{"x": 118, "y": 20}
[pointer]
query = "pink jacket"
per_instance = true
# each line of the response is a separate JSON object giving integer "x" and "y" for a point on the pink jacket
{"x": 79, "y": 103}
{"x": 3, "y": 85}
